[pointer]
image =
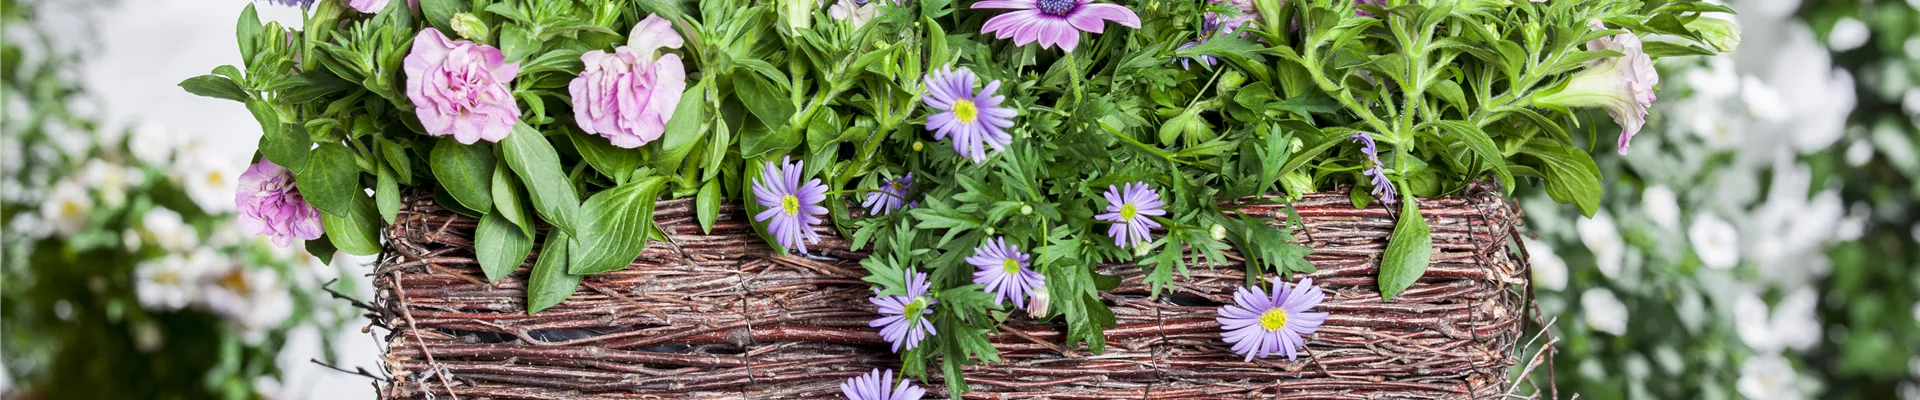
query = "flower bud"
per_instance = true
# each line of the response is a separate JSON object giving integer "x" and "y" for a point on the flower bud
{"x": 1142, "y": 250}
{"x": 1723, "y": 34}
{"x": 1026, "y": 209}
{"x": 1037, "y": 304}
{"x": 918, "y": 145}
{"x": 990, "y": 231}
{"x": 1231, "y": 79}
{"x": 1188, "y": 125}
{"x": 1295, "y": 146}
{"x": 1219, "y": 232}
{"x": 798, "y": 13}
{"x": 469, "y": 27}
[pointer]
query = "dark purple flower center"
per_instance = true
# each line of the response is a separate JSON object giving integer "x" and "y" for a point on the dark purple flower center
{"x": 1057, "y": 8}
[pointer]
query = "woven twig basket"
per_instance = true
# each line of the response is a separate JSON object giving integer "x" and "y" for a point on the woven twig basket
{"x": 720, "y": 316}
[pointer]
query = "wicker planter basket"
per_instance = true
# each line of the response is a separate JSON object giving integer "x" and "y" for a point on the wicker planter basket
{"x": 721, "y": 317}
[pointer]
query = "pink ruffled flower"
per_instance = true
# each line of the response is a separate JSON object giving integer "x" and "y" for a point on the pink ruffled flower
{"x": 271, "y": 206}
{"x": 368, "y": 6}
{"x": 1621, "y": 85}
{"x": 460, "y": 88}
{"x": 627, "y": 96}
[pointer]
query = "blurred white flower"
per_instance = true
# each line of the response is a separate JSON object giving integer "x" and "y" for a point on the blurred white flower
{"x": 1715, "y": 241}
{"x": 1600, "y": 236}
{"x": 1822, "y": 95}
{"x": 165, "y": 228}
{"x": 12, "y": 156}
{"x": 1796, "y": 320}
{"x": 1910, "y": 101}
{"x": 1661, "y": 206}
{"x": 210, "y": 179}
{"x": 1848, "y": 34}
{"x": 67, "y": 208}
{"x": 254, "y": 301}
{"x": 1763, "y": 103}
{"x": 1752, "y": 321}
{"x": 154, "y": 144}
{"x": 1861, "y": 152}
{"x": 1790, "y": 231}
{"x": 108, "y": 179}
{"x": 1603, "y": 311}
{"x": 1549, "y": 271}
{"x": 1768, "y": 377}
{"x": 170, "y": 282}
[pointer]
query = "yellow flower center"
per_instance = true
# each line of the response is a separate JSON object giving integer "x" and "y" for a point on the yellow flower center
{"x": 1127, "y": 212}
{"x": 790, "y": 204}
{"x": 70, "y": 209}
{"x": 1274, "y": 319}
{"x": 167, "y": 277}
{"x": 964, "y": 111}
{"x": 215, "y": 177}
{"x": 1012, "y": 266}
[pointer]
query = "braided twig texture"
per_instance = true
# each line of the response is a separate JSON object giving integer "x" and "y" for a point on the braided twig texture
{"x": 720, "y": 316}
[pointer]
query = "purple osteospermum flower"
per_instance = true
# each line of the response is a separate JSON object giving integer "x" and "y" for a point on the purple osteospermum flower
{"x": 1053, "y": 21}
{"x": 793, "y": 209}
{"x": 875, "y": 386}
{"x": 270, "y": 205}
{"x": 904, "y": 318}
{"x": 293, "y": 3}
{"x": 1208, "y": 27}
{"x": 1004, "y": 272}
{"x": 1258, "y": 324}
{"x": 891, "y": 196}
{"x": 459, "y": 88}
{"x": 975, "y": 120}
{"x": 1128, "y": 210}
{"x": 1382, "y": 188}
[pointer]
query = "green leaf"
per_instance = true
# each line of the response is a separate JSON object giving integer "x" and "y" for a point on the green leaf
{"x": 287, "y": 145}
{"x": 614, "y": 226}
{"x": 440, "y": 13}
{"x": 766, "y": 102}
{"x": 466, "y": 171}
{"x": 322, "y": 249}
{"x": 331, "y": 181}
{"x": 1409, "y": 250}
{"x": 683, "y": 130}
{"x": 499, "y": 246}
{"x": 707, "y": 205}
{"x": 356, "y": 232}
{"x": 1664, "y": 49}
{"x": 214, "y": 86}
{"x": 516, "y": 44}
{"x": 937, "y": 53}
{"x": 1571, "y": 175}
{"x": 386, "y": 195}
{"x": 614, "y": 162}
{"x": 550, "y": 283}
{"x": 506, "y": 199}
{"x": 397, "y": 159}
{"x": 246, "y": 30}
{"x": 538, "y": 166}
{"x": 1481, "y": 145}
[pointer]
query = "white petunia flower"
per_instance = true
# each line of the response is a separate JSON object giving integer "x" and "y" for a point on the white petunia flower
{"x": 154, "y": 144}
{"x": 171, "y": 282}
{"x": 165, "y": 228}
{"x": 210, "y": 178}
{"x": 254, "y": 301}
{"x": 1768, "y": 377}
{"x": 1603, "y": 311}
{"x": 1796, "y": 320}
{"x": 1661, "y": 206}
{"x": 67, "y": 208}
{"x": 1715, "y": 241}
{"x": 1848, "y": 34}
{"x": 108, "y": 179}
{"x": 853, "y": 12}
{"x": 1752, "y": 321}
{"x": 1600, "y": 236}
{"x": 1549, "y": 271}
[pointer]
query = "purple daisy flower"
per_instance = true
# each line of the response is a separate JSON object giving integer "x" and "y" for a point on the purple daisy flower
{"x": 1382, "y": 188}
{"x": 1258, "y": 324}
{"x": 891, "y": 196}
{"x": 1004, "y": 272}
{"x": 793, "y": 209}
{"x": 975, "y": 120}
{"x": 1128, "y": 210}
{"x": 292, "y": 3}
{"x": 904, "y": 317}
{"x": 874, "y": 386}
{"x": 1209, "y": 26}
{"x": 1053, "y": 21}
